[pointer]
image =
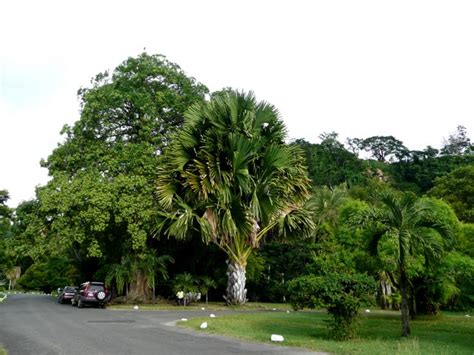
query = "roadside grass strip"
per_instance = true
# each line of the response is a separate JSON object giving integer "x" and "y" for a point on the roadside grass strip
{"x": 379, "y": 332}
{"x": 3, "y": 297}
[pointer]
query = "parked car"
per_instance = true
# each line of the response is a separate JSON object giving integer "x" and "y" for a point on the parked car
{"x": 91, "y": 293}
{"x": 66, "y": 294}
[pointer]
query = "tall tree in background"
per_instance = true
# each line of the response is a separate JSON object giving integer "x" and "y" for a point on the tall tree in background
{"x": 101, "y": 196}
{"x": 229, "y": 174}
{"x": 406, "y": 224}
{"x": 5, "y": 214}
{"x": 381, "y": 148}
{"x": 458, "y": 143}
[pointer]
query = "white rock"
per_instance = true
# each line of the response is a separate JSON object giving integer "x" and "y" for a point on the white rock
{"x": 467, "y": 315}
{"x": 276, "y": 337}
{"x": 367, "y": 311}
{"x": 287, "y": 311}
{"x": 274, "y": 309}
{"x": 203, "y": 325}
{"x": 184, "y": 319}
{"x": 135, "y": 307}
{"x": 212, "y": 315}
{"x": 203, "y": 309}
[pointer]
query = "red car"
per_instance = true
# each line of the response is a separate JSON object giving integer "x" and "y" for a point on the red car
{"x": 91, "y": 293}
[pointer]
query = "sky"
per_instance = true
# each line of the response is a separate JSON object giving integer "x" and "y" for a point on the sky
{"x": 359, "y": 68}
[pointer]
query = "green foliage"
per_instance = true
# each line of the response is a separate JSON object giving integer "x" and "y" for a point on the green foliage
{"x": 329, "y": 163}
{"x": 5, "y": 214}
{"x": 407, "y": 228}
{"x": 342, "y": 294}
{"x": 49, "y": 275}
{"x": 419, "y": 170}
{"x": 457, "y": 189}
{"x": 185, "y": 282}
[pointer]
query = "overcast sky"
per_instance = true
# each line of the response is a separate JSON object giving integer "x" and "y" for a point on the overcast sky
{"x": 360, "y": 68}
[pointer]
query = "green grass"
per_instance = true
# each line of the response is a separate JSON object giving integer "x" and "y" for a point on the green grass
{"x": 213, "y": 306}
{"x": 2, "y": 351}
{"x": 379, "y": 332}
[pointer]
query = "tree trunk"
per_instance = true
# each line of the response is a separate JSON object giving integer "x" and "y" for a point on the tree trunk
{"x": 236, "y": 293}
{"x": 207, "y": 300}
{"x": 154, "y": 297}
{"x": 405, "y": 309}
{"x": 139, "y": 290}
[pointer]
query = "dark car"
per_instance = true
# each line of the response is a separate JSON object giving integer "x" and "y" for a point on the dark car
{"x": 66, "y": 294}
{"x": 91, "y": 293}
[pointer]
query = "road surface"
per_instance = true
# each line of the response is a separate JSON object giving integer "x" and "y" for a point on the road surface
{"x": 36, "y": 324}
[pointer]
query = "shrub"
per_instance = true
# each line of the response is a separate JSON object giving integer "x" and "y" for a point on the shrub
{"x": 341, "y": 294}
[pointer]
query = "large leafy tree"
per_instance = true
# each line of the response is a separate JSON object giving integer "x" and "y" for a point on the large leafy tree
{"x": 381, "y": 147}
{"x": 100, "y": 200}
{"x": 404, "y": 225}
{"x": 229, "y": 174}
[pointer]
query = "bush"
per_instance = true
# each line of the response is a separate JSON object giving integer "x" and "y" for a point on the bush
{"x": 341, "y": 294}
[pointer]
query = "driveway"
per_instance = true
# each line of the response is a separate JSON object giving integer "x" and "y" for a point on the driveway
{"x": 35, "y": 324}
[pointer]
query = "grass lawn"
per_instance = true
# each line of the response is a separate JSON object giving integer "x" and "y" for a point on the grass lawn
{"x": 2, "y": 351}
{"x": 379, "y": 332}
{"x": 213, "y": 306}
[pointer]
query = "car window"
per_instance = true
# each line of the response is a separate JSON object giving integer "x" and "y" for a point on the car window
{"x": 96, "y": 288}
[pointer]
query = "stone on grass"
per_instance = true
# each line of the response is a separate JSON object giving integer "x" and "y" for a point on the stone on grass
{"x": 203, "y": 325}
{"x": 367, "y": 311}
{"x": 212, "y": 315}
{"x": 184, "y": 319}
{"x": 467, "y": 315}
{"x": 135, "y": 307}
{"x": 276, "y": 337}
{"x": 203, "y": 309}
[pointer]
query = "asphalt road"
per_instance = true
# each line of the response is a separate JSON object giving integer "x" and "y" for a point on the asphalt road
{"x": 33, "y": 324}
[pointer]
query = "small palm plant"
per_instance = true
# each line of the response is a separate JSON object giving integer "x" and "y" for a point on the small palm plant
{"x": 205, "y": 285}
{"x": 184, "y": 283}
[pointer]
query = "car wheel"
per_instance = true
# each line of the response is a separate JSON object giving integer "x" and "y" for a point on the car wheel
{"x": 101, "y": 295}
{"x": 80, "y": 304}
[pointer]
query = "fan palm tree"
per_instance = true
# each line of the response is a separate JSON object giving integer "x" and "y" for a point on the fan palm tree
{"x": 406, "y": 222}
{"x": 229, "y": 174}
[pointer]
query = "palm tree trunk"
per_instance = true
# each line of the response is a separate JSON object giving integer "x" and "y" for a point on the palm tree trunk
{"x": 236, "y": 293}
{"x": 405, "y": 308}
